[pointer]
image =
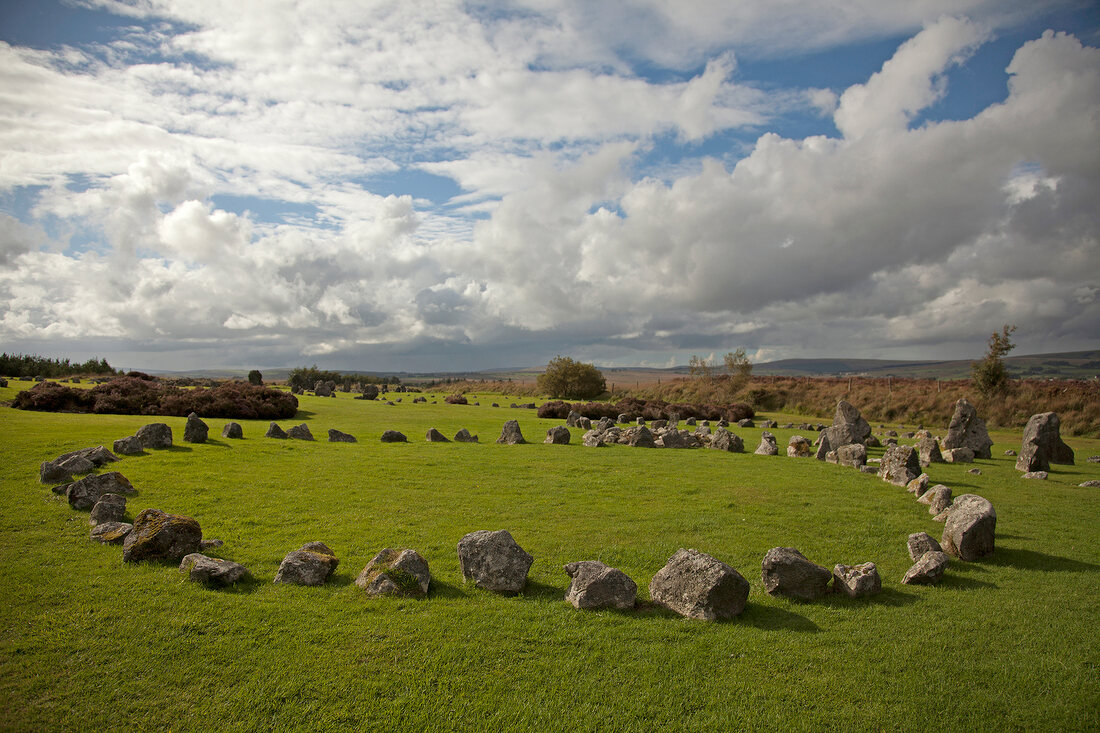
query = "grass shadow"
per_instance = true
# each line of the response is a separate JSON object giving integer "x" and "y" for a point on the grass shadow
{"x": 1022, "y": 559}
{"x": 952, "y": 579}
{"x": 175, "y": 449}
{"x": 447, "y": 591}
{"x": 217, "y": 443}
{"x": 885, "y": 597}
{"x": 542, "y": 592}
{"x": 772, "y": 618}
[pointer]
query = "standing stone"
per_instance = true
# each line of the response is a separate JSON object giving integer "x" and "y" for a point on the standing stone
{"x": 641, "y": 437}
{"x": 823, "y": 447}
{"x": 696, "y": 585}
{"x": 848, "y": 426}
{"x": 463, "y": 436}
{"x": 233, "y": 430}
{"x": 396, "y": 572}
{"x": 595, "y": 585}
{"x": 928, "y": 570}
{"x": 900, "y": 465}
{"x": 727, "y": 441}
{"x": 557, "y": 436}
{"x": 1042, "y": 444}
{"x": 84, "y": 494}
{"x": 967, "y": 430}
{"x": 857, "y": 581}
{"x": 920, "y": 543}
{"x": 853, "y": 455}
{"x": 274, "y": 431}
{"x": 786, "y": 571}
{"x": 335, "y": 436}
{"x": 768, "y": 446}
{"x": 155, "y": 435}
{"x": 311, "y": 564}
{"x": 195, "y": 430}
{"x": 799, "y": 447}
{"x": 970, "y": 529}
{"x": 928, "y": 449}
{"x": 109, "y": 508}
{"x": 571, "y": 420}
{"x": 510, "y": 434}
{"x": 937, "y": 498}
{"x": 300, "y": 432}
{"x": 160, "y": 536}
{"x": 392, "y": 436}
{"x": 493, "y": 561}
{"x": 130, "y": 446}
{"x": 434, "y": 436}
{"x": 212, "y": 571}
{"x": 918, "y": 486}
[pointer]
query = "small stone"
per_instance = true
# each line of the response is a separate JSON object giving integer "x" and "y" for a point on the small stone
{"x": 111, "y": 533}
{"x": 434, "y": 436}
{"x": 311, "y": 564}
{"x": 928, "y": 570}
{"x": 974, "y": 471}
{"x": 958, "y": 455}
{"x": 336, "y": 436}
{"x": 463, "y": 436}
{"x": 593, "y": 439}
{"x": 1041, "y": 475}
{"x": 300, "y": 432}
{"x": 918, "y": 486}
{"x": 768, "y": 445}
{"x": 920, "y": 543}
{"x": 856, "y": 581}
{"x": 595, "y": 585}
{"x": 1090, "y": 484}
{"x": 274, "y": 431}
{"x": 1010, "y": 452}
{"x": 233, "y": 430}
{"x": 939, "y": 498}
{"x": 392, "y": 436}
{"x": 557, "y": 436}
{"x": 212, "y": 571}
{"x": 396, "y": 572}
{"x": 799, "y": 447}
{"x": 787, "y": 572}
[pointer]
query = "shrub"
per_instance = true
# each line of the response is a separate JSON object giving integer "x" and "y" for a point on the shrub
{"x": 990, "y": 375}
{"x": 571, "y": 379}
{"x": 53, "y": 397}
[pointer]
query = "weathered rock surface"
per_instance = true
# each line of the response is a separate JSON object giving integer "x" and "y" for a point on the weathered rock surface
{"x": 274, "y": 431}
{"x": 768, "y": 446}
{"x": 160, "y": 536}
{"x": 824, "y": 448}
{"x": 84, "y": 494}
{"x": 918, "y": 486}
{"x": 233, "y": 430}
{"x": 799, "y": 447}
{"x": 641, "y": 437}
{"x": 195, "y": 430}
{"x": 463, "y": 436}
{"x": 971, "y": 527}
{"x": 111, "y": 533}
{"x": 593, "y": 439}
{"x": 1042, "y": 444}
{"x": 336, "y": 436}
{"x": 300, "y": 432}
{"x": 1040, "y": 475}
{"x": 920, "y": 543}
{"x": 128, "y": 446}
{"x": 900, "y": 465}
{"x": 786, "y": 572}
{"x": 928, "y": 449}
{"x": 958, "y": 455}
{"x": 696, "y": 585}
{"x": 1090, "y": 484}
{"x": 510, "y": 434}
{"x": 493, "y": 561}
{"x": 937, "y": 498}
{"x": 310, "y": 564}
{"x": 109, "y": 508}
{"x": 51, "y": 473}
{"x": 557, "y": 435}
{"x": 853, "y": 455}
{"x": 595, "y": 585}
{"x": 393, "y": 436}
{"x": 155, "y": 435}
{"x": 727, "y": 441}
{"x": 967, "y": 430}
{"x": 857, "y": 581}
{"x": 434, "y": 436}
{"x": 928, "y": 570}
{"x": 212, "y": 571}
{"x": 97, "y": 455}
{"x": 396, "y": 572}
{"x": 848, "y": 426}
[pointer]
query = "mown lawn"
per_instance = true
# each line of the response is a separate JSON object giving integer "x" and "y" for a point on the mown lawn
{"x": 86, "y": 642}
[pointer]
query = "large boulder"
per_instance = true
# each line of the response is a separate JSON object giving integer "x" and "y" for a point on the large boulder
{"x": 337, "y": 436}
{"x": 212, "y": 571}
{"x": 109, "y": 508}
{"x": 510, "y": 434}
{"x": 967, "y": 430}
{"x": 396, "y": 572}
{"x": 920, "y": 543}
{"x": 852, "y": 455}
{"x": 727, "y": 441}
{"x": 300, "y": 432}
{"x": 768, "y": 446}
{"x": 155, "y": 435}
{"x": 493, "y": 561}
{"x": 928, "y": 449}
{"x": 970, "y": 529}
{"x": 696, "y": 585}
{"x": 900, "y": 465}
{"x": 928, "y": 570}
{"x": 129, "y": 446}
{"x": 310, "y": 564}
{"x": 233, "y": 431}
{"x": 856, "y": 581}
{"x": 848, "y": 426}
{"x": 195, "y": 430}
{"x": 799, "y": 447}
{"x": 84, "y": 494}
{"x": 786, "y": 572}
{"x": 1042, "y": 444}
{"x": 595, "y": 585}
{"x": 160, "y": 536}
{"x": 51, "y": 473}
{"x": 557, "y": 435}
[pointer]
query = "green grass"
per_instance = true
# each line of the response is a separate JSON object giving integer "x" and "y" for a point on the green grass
{"x": 1007, "y": 643}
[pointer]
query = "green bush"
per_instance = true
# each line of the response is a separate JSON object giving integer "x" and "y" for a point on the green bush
{"x": 571, "y": 380}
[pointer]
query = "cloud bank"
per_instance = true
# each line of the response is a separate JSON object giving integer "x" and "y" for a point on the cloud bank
{"x": 447, "y": 186}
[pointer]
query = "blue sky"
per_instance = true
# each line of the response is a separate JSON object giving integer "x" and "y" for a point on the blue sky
{"x": 455, "y": 186}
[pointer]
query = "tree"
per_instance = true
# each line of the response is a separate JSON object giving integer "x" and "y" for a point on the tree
{"x": 739, "y": 369}
{"x": 254, "y": 377}
{"x": 571, "y": 380}
{"x": 989, "y": 375}
{"x": 700, "y": 367}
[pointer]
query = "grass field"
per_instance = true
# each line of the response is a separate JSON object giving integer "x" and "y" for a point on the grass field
{"x": 86, "y": 642}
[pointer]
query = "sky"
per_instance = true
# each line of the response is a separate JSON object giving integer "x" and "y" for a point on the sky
{"x": 449, "y": 186}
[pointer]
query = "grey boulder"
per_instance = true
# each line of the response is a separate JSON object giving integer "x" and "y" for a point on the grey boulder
{"x": 510, "y": 434}
{"x": 971, "y": 527}
{"x": 787, "y": 572}
{"x": 928, "y": 570}
{"x": 212, "y": 571}
{"x": 920, "y": 543}
{"x": 336, "y": 436}
{"x": 696, "y": 585}
{"x": 233, "y": 430}
{"x": 396, "y": 572}
{"x": 857, "y": 581}
{"x": 310, "y": 564}
{"x": 160, "y": 536}
{"x": 557, "y": 435}
{"x": 84, "y": 494}
{"x": 155, "y": 435}
{"x": 493, "y": 561}
{"x": 594, "y": 585}
{"x": 900, "y": 465}
{"x": 1042, "y": 444}
{"x": 195, "y": 430}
